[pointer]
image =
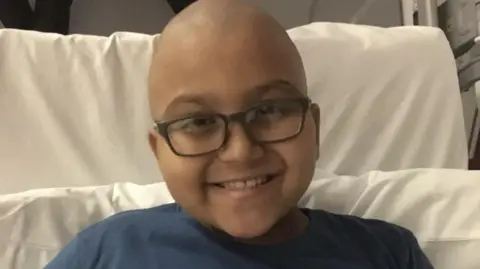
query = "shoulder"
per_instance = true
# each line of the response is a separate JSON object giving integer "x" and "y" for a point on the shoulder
{"x": 141, "y": 218}
{"x": 136, "y": 221}
{"x": 135, "y": 216}
{"x": 361, "y": 227}
{"x": 378, "y": 239}
{"x": 83, "y": 250}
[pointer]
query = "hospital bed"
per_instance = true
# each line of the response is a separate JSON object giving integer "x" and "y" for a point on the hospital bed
{"x": 74, "y": 116}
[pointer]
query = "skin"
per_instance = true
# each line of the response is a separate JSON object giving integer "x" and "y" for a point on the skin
{"x": 223, "y": 56}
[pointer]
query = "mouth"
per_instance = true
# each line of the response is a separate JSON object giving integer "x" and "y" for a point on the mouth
{"x": 247, "y": 184}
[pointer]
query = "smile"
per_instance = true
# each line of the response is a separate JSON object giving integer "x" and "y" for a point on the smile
{"x": 251, "y": 183}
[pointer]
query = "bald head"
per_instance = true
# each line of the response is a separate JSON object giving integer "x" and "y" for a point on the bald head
{"x": 220, "y": 19}
{"x": 218, "y": 63}
{"x": 221, "y": 37}
{"x": 219, "y": 16}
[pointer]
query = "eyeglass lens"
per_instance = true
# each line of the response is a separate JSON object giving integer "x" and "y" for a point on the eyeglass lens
{"x": 269, "y": 122}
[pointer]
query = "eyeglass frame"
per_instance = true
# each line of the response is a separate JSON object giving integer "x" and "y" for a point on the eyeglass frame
{"x": 161, "y": 126}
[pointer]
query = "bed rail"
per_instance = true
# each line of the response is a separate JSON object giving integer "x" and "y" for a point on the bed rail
{"x": 427, "y": 12}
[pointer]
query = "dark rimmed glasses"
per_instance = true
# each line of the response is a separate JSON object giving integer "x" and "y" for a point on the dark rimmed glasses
{"x": 270, "y": 121}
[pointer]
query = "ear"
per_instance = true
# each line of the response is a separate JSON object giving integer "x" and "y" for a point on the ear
{"x": 315, "y": 110}
{"x": 153, "y": 139}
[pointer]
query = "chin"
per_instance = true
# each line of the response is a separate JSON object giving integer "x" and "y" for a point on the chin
{"x": 246, "y": 234}
{"x": 247, "y": 230}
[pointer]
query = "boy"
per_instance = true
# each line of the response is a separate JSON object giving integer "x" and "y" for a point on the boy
{"x": 236, "y": 138}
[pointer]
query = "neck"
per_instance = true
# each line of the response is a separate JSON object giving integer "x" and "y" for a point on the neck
{"x": 289, "y": 227}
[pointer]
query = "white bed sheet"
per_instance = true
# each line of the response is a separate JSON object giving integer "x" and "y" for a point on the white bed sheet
{"x": 73, "y": 110}
{"x": 389, "y": 97}
{"x": 432, "y": 203}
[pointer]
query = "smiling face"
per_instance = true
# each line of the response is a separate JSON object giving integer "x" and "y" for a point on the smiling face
{"x": 242, "y": 187}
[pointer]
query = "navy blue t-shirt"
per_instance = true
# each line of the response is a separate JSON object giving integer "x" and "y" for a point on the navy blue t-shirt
{"x": 166, "y": 237}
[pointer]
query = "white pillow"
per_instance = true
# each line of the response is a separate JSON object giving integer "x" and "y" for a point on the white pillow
{"x": 74, "y": 110}
{"x": 442, "y": 208}
{"x": 389, "y": 97}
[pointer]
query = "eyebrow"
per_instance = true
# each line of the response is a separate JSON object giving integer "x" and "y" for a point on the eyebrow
{"x": 278, "y": 85}
{"x": 256, "y": 92}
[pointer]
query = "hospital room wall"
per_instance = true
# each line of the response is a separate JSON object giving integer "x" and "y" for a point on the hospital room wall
{"x": 372, "y": 12}
{"x": 103, "y": 17}
{"x": 108, "y": 16}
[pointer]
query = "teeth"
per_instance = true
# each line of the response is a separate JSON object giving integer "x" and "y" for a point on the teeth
{"x": 247, "y": 184}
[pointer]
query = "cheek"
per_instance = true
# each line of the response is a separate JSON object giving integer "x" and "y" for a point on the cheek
{"x": 300, "y": 155}
{"x": 184, "y": 176}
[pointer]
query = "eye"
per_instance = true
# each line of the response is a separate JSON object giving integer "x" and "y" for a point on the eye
{"x": 196, "y": 125}
{"x": 273, "y": 111}
{"x": 269, "y": 109}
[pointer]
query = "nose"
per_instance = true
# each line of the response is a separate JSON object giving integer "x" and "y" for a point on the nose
{"x": 239, "y": 147}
